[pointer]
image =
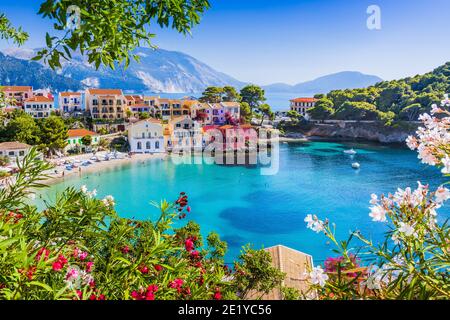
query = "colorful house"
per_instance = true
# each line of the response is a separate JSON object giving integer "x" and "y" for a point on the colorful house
{"x": 39, "y": 106}
{"x": 74, "y": 140}
{"x": 16, "y": 95}
{"x": 14, "y": 150}
{"x": 302, "y": 105}
{"x": 70, "y": 102}
{"x": 146, "y": 136}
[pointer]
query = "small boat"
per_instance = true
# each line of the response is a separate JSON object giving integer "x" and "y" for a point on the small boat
{"x": 69, "y": 167}
{"x": 350, "y": 152}
{"x": 356, "y": 165}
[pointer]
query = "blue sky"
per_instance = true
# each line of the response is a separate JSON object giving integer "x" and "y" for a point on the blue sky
{"x": 267, "y": 41}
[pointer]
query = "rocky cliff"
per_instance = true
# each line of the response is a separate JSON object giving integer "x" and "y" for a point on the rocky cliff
{"x": 366, "y": 131}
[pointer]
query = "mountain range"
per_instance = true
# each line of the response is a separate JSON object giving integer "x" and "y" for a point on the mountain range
{"x": 158, "y": 71}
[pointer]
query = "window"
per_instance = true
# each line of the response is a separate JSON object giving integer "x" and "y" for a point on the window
{"x": 148, "y": 145}
{"x": 21, "y": 153}
{"x": 143, "y": 135}
{"x": 157, "y": 145}
{"x": 139, "y": 145}
{"x": 11, "y": 153}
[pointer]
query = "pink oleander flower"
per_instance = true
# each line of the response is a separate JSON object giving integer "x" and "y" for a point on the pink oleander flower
{"x": 189, "y": 245}
{"x": 82, "y": 255}
{"x": 89, "y": 266}
{"x": 43, "y": 252}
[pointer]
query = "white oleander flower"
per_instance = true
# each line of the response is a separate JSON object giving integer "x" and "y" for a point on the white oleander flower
{"x": 446, "y": 101}
{"x": 378, "y": 214}
{"x": 314, "y": 223}
{"x": 108, "y": 201}
{"x": 446, "y": 164}
{"x": 442, "y": 194}
{"x": 407, "y": 229}
{"x": 318, "y": 276}
{"x": 373, "y": 199}
{"x": 412, "y": 143}
{"x": 84, "y": 189}
{"x": 395, "y": 238}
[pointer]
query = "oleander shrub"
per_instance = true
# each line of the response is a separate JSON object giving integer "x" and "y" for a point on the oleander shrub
{"x": 79, "y": 248}
{"x": 414, "y": 260}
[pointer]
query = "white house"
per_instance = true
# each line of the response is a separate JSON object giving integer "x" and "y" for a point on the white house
{"x": 146, "y": 136}
{"x": 70, "y": 102}
{"x": 75, "y": 137}
{"x": 39, "y": 106}
{"x": 302, "y": 105}
{"x": 14, "y": 150}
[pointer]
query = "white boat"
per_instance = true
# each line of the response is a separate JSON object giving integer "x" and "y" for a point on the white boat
{"x": 350, "y": 152}
{"x": 356, "y": 165}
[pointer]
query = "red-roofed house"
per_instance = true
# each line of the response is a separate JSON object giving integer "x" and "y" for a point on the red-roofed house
{"x": 17, "y": 94}
{"x": 302, "y": 105}
{"x": 70, "y": 102}
{"x": 39, "y": 106}
{"x": 75, "y": 136}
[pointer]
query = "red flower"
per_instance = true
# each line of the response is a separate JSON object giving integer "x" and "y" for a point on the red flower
{"x": 42, "y": 251}
{"x": 177, "y": 284}
{"x": 89, "y": 266}
{"x": 125, "y": 249}
{"x": 189, "y": 245}
{"x": 56, "y": 266}
{"x": 188, "y": 209}
{"x": 217, "y": 295}
{"x": 144, "y": 269}
{"x": 158, "y": 267}
{"x": 79, "y": 294}
{"x": 148, "y": 294}
{"x": 101, "y": 297}
{"x": 93, "y": 297}
{"x": 152, "y": 288}
{"x": 60, "y": 263}
{"x": 195, "y": 254}
{"x": 30, "y": 273}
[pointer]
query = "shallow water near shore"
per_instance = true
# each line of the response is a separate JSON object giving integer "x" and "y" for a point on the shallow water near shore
{"x": 246, "y": 207}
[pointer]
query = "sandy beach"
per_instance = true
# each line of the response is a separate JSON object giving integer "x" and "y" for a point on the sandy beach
{"x": 59, "y": 172}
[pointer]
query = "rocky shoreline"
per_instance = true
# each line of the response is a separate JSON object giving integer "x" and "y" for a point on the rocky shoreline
{"x": 374, "y": 132}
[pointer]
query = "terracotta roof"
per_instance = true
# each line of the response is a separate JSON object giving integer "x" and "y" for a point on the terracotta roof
{"x": 13, "y": 145}
{"x": 16, "y": 88}
{"x": 68, "y": 94}
{"x": 105, "y": 91}
{"x": 304, "y": 100}
{"x": 72, "y": 133}
{"x": 231, "y": 104}
{"x": 39, "y": 99}
{"x": 210, "y": 127}
{"x": 129, "y": 97}
{"x": 216, "y": 105}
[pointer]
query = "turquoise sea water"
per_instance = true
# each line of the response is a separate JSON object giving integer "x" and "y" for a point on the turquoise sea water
{"x": 245, "y": 207}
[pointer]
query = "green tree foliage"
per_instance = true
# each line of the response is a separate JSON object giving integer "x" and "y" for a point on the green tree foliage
{"x": 394, "y": 97}
{"x": 322, "y": 110}
{"x": 8, "y": 32}
{"x": 107, "y": 31}
{"x": 295, "y": 116}
{"x": 411, "y": 112}
{"x": 266, "y": 112}
{"x": 246, "y": 112}
{"x": 255, "y": 275}
{"x": 53, "y": 133}
{"x": 212, "y": 95}
{"x": 22, "y": 127}
{"x": 144, "y": 115}
{"x": 86, "y": 140}
{"x": 253, "y": 95}
{"x": 230, "y": 94}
